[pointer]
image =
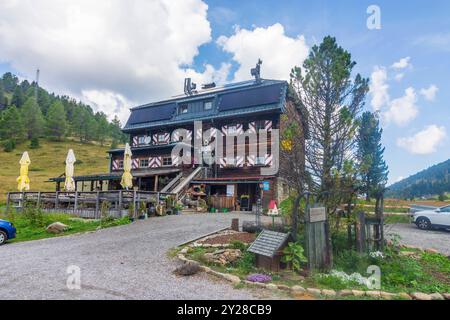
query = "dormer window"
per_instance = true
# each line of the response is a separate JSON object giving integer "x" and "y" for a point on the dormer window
{"x": 161, "y": 137}
{"x": 184, "y": 109}
{"x": 207, "y": 105}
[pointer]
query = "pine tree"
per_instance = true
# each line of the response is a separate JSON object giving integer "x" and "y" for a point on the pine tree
{"x": 33, "y": 119}
{"x": 2, "y": 96}
{"x": 103, "y": 128}
{"x": 372, "y": 167}
{"x": 56, "y": 125}
{"x": 18, "y": 98}
{"x": 11, "y": 125}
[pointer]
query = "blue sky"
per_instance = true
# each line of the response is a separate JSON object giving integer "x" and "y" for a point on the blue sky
{"x": 416, "y": 31}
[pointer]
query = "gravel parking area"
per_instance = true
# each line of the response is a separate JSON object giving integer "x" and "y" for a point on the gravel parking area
{"x": 411, "y": 235}
{"x": 127, "y": 262}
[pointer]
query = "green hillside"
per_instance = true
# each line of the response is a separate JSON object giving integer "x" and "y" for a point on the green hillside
{"x": 432, "y": 181}
{"x": 49, "y": 161}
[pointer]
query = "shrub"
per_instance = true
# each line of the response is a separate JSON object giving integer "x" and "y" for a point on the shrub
{"x": 34, "y": 144}
{"x": 236, "y": 244}
{"x": 293, "y": 255}
{"x": 9, "y": 145}
{"x": 247, "y": 263}
{"x": 34, "y": 216}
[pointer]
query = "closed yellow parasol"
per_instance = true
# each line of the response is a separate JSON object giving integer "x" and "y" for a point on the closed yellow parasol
{"x": 23, "y": 180}
{"x": 69, "y": 184}
{"x": 127, "y": 178}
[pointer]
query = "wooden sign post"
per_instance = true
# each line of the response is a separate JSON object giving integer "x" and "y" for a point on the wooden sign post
{"x": 318, "y": 246}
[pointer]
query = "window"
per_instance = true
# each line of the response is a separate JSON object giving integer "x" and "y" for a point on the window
{"x": 143, "y": 163}
{"x": 232, "y": 129}
{"x": 446, "y": 209}
{"x": 141, "y": 140}
{"x": 167, "y": 161}
{"x": 184, "y": 109}
{"x": 208, "y": 105}
{"x": 161, "y": 137}
{"x": 121, "y": 164}
{"x": 260, "y": 161}
{"x": 260, "y": 125}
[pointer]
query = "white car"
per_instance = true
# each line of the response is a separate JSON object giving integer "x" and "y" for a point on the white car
{"x": 437, "y": 218}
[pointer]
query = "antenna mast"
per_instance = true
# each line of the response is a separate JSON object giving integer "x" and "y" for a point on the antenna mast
{"x": 36, "y": 85}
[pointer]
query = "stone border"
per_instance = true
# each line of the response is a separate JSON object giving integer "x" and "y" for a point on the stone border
{"x": 299, "y": 289}
{"x": 315, "y": 291}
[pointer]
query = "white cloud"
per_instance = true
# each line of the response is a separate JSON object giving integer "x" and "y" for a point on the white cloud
{"x": 399, "y": 76}
{"x": 402, "y": 63}
{"x": 125, "y": 51}
{"x": 429, "y": 93}
{"x": 424, "y": 142}
{"x": 379, "y": 88}
{"x": 108, "y": 102}
{"x": 279, "y": 52}
{"x": 404, "y": 109}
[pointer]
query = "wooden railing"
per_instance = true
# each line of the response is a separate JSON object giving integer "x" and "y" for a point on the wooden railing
{"x": 86, "y": 204}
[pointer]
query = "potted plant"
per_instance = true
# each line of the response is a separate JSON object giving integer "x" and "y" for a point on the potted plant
{"x": 177, "y": 209}
{"x": 143, "y": 211}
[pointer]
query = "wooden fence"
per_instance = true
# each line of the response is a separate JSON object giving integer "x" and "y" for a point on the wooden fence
{"x": 87, "y": 204}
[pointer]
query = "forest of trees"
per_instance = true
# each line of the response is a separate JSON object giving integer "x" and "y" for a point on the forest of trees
{"x": 28, "y": 112}
{"x": 430, "y": 182}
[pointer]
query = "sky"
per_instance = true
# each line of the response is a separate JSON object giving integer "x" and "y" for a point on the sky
{"x": 116, "y": 54}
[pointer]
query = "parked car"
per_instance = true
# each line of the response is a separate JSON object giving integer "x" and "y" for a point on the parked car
{"x": 7, "y": 231}
{"x": 435, "y": 218}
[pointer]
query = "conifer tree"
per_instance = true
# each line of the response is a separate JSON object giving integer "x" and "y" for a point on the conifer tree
{"x": 56, "y": 125}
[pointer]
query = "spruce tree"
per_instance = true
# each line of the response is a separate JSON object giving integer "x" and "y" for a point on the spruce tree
{"x": 372, "y": 167}
{"x": 56, "y": 125}
{"x": 18, "y": 98}
{"x": 33, "y": 119}
{"x": 11, "y": 125}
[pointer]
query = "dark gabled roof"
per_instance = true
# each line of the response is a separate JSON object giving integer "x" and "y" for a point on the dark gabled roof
{"x": 268, "y": 243}
{"x": 230, "y": 100}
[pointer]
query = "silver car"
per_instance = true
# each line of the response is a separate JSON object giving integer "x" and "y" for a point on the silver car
{"x": 432, "y": 218}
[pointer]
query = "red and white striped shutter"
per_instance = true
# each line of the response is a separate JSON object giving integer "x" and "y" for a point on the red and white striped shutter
{"x": 155, "y": 138}
{"x": 135, "y": 141}
{"x": 268, "y": 125}
{"x": 225, "y": 130}
{"x": 252, "y": 127}
{"x": 251, "y": 160}
{"x": 223, "y": 162}
{"x": 240, "y": 161}
{"x": 151, "y": 161}
{"x": 135, "y": 163}
{"x": 167, "y": 138}
{"x": 115, "y": 165}
{"x": 155, "y": 162}
{"x": 269, "y": 160}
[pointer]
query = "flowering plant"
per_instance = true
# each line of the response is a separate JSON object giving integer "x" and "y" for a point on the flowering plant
{"x": 257, "y": 277}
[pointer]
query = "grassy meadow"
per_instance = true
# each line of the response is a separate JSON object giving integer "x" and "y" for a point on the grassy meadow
{"x": 48, "y": 161}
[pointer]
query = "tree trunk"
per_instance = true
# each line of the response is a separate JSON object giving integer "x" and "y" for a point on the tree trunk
{"x": 295, "y": 217}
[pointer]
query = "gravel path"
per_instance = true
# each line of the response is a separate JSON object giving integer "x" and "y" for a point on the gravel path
{"x": 411, "y": 235}
{"x": 127, "y": 262}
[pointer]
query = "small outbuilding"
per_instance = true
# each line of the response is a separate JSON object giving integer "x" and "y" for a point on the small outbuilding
{"x": 268, "y": 248}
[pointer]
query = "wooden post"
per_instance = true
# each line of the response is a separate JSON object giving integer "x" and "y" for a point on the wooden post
{"x": 75, "y": 206}
{"x": 97, "y": 204}
{"x": 56, "y": 200}
{"x": 120, "y": 202}
{"x": 8, "y": 199}
{"x": 39, "y": 200}
{"x": 156, "y": 183}
{"x": 134, "y": 204}
{"x": 361, "y": 244}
